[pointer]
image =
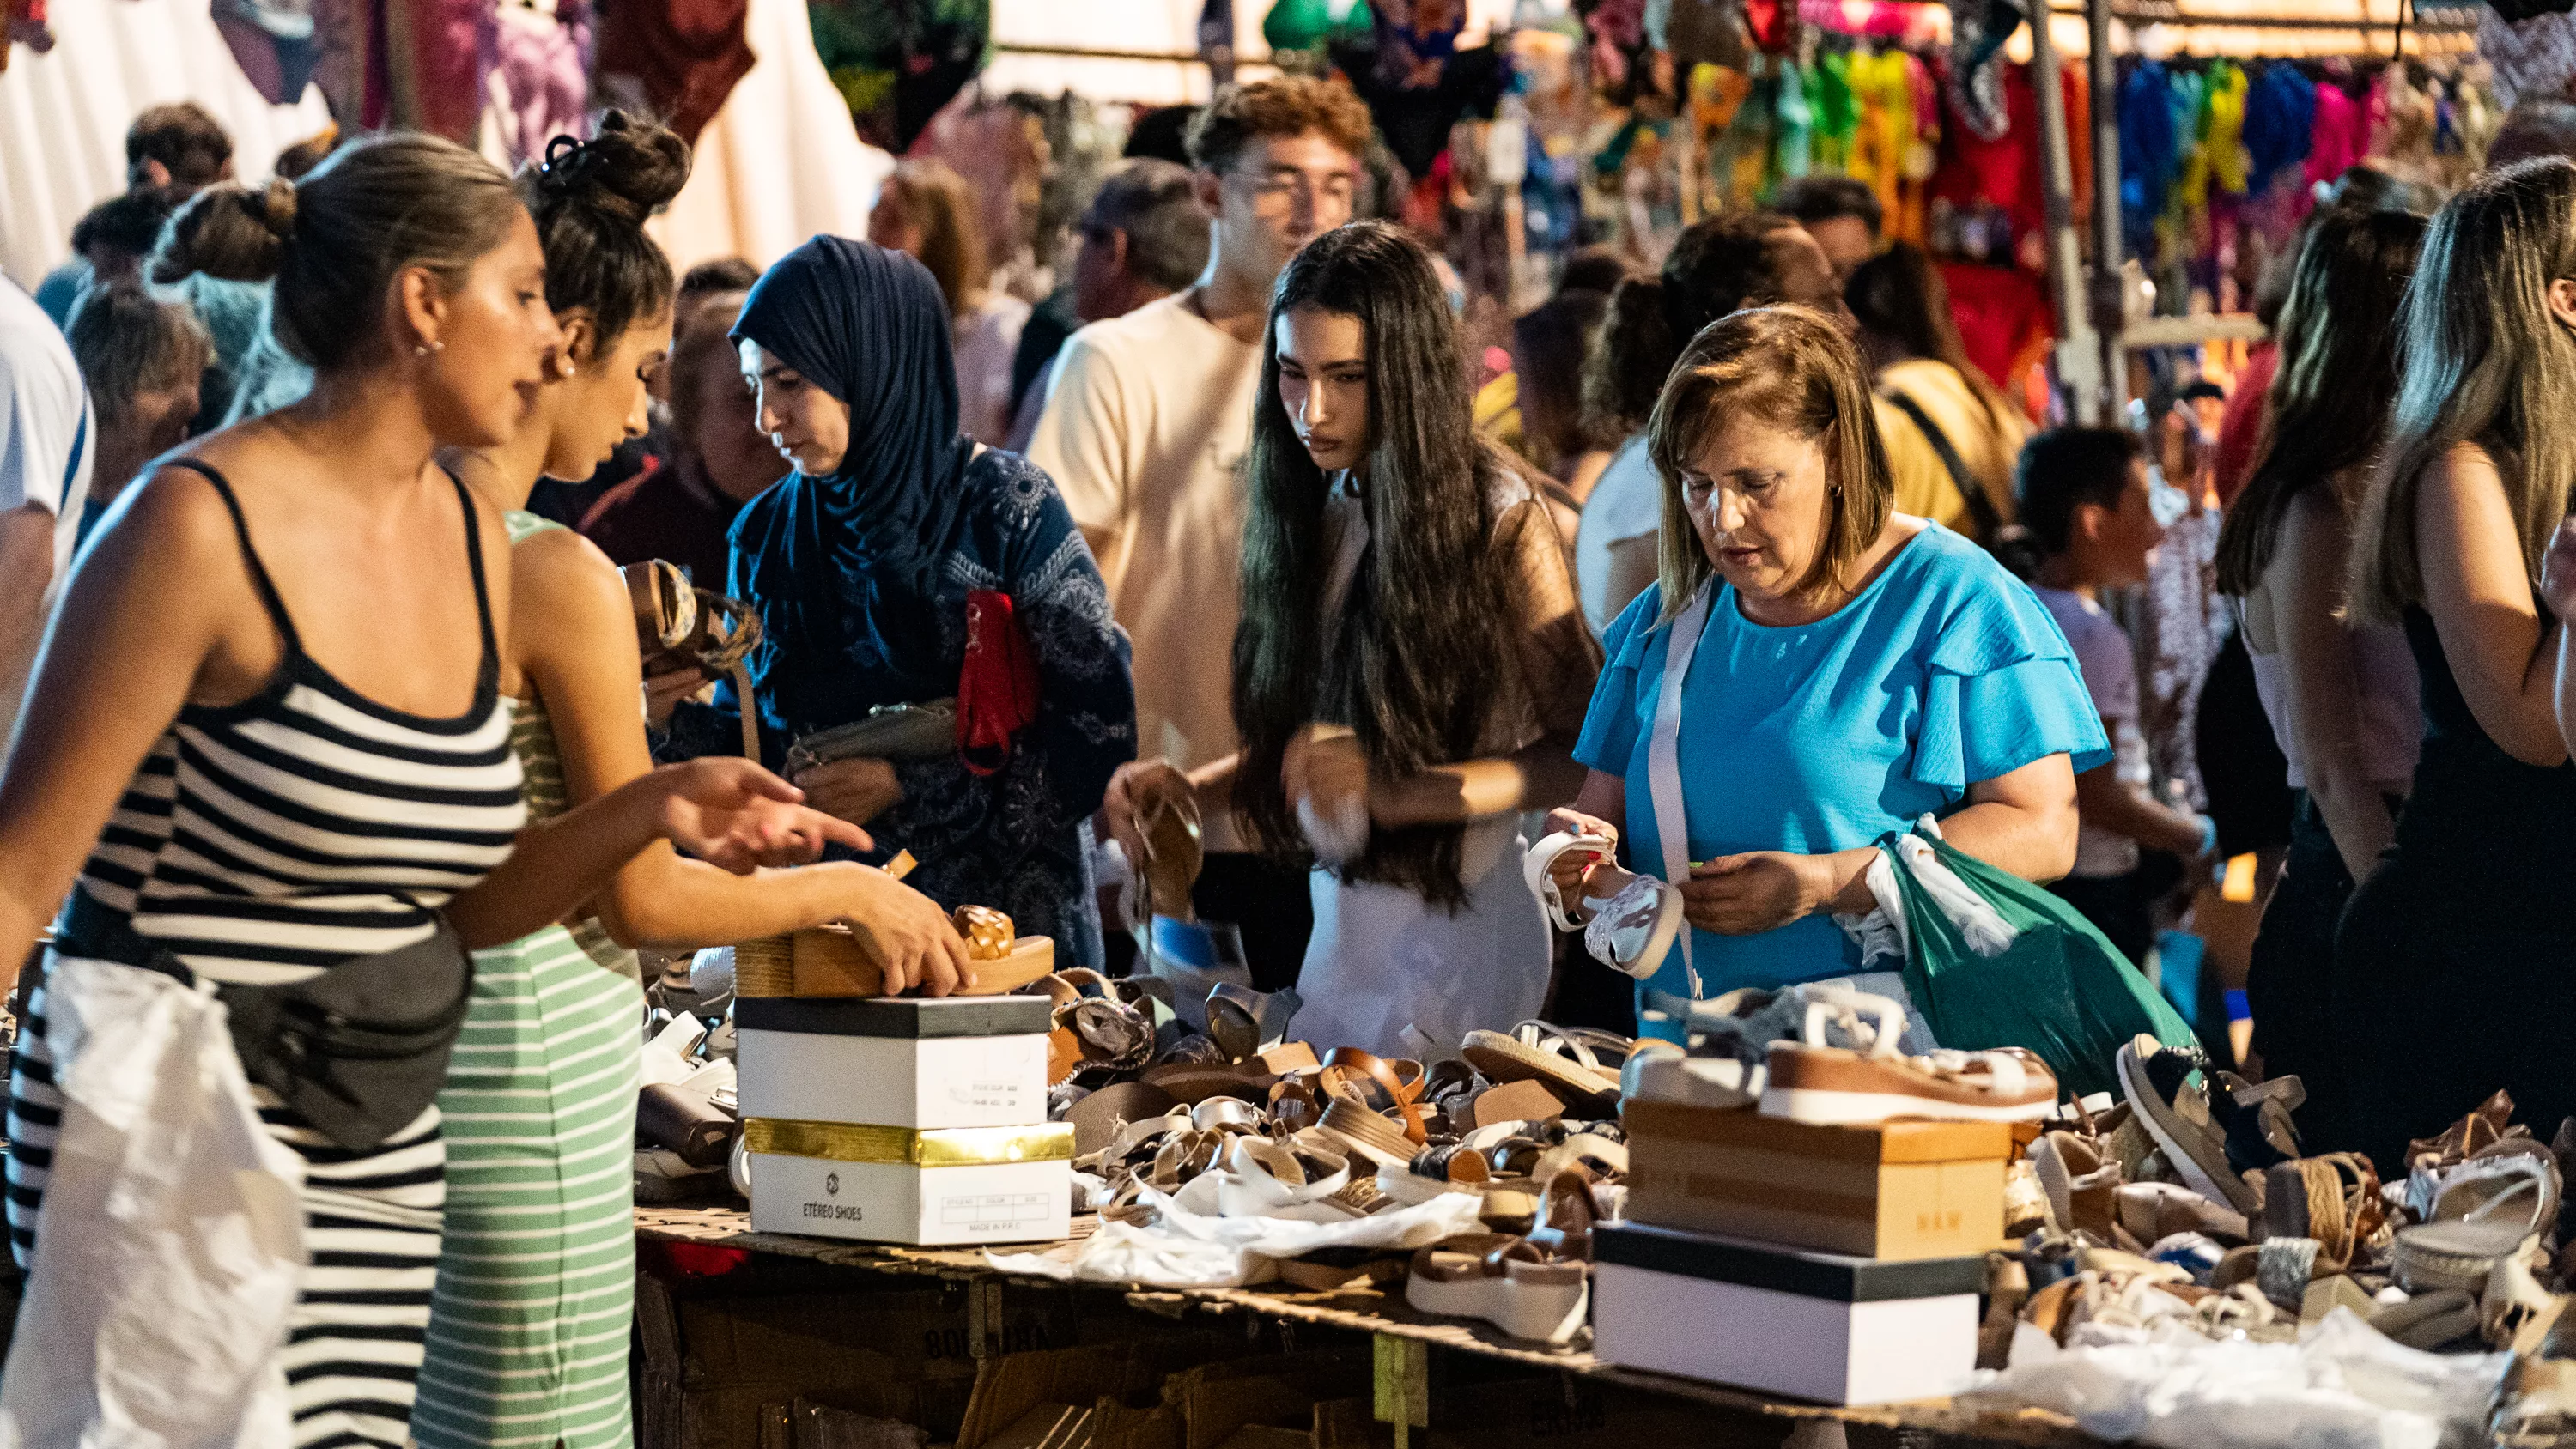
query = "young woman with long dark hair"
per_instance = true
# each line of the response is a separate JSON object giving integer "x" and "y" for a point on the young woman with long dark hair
{"x": 2341, "y": 696}
{"x": 274, "y": 712}
{"x": 2456, "y": 961}
{"x": 536, "y": 1276}
{"x": 1412, "y": 667}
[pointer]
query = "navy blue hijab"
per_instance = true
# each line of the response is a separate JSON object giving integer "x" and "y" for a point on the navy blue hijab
{"x": 843, "y": 568}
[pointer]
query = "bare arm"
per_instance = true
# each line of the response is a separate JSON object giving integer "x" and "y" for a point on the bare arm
{"x": 2307, "y": 579}
{"x": 26, "y": 571}
{"x": 2106, "y": 802}
{"x": 2494, "y": 633}
{"x": 580, "y": 655}
{"x": 160, "y": 592}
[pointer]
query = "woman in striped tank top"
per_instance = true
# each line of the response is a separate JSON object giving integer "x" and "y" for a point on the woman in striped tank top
{"x": 529, "y": 1325}
{"x": 274, "y": 710}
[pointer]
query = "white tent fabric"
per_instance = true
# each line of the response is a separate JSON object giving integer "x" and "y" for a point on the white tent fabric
{"x": 780, "y": 161}
{"x": 63, "y": 115}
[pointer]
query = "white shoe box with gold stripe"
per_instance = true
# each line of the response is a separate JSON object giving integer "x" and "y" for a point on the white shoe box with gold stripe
{"x": 923, "y": 1187}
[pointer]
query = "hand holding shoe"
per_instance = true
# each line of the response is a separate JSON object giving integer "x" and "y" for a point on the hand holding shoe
{"x": 1140, "y": 791}
{"x": 1569, "y": 869}
{"x": 905, "y": 932}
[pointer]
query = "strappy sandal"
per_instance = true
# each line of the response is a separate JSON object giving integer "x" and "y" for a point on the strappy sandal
{"x": 1504, "y": 1281}
{"x": 1175, "y": 851}
{"x": 1365, "y": 1133}
{"x": 1565, "y": 1215}
{"x": 1241, "y": 1021}
{"x": 1293, "y": 1180}
{"x": 1095, "y": 1038}
{"x": 1629, "y": 920}
{"x": 2333, "y": 1199}
{"x": 679, "y": 627}
{"x": 1543, "y": 1052}
{"x": 1389, "y": 1087}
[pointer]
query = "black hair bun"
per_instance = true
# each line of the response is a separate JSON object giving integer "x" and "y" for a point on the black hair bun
{"x": 627, "y": 172}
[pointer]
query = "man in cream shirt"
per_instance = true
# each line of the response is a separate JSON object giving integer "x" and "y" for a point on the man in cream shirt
{"x": 1146, "y": 421}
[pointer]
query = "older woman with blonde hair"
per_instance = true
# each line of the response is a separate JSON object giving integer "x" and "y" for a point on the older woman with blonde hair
{"x": 929, "y": 212}
{"x": 1843, "y": 670}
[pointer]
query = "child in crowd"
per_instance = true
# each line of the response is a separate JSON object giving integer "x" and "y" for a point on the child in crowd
{"x": 2084, "y": 504}
{"x": 144, "y": 359}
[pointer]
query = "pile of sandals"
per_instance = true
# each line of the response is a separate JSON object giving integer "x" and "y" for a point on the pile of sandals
{"x": 1239, "y": 1120}
{"x": 2190, "y": 1209}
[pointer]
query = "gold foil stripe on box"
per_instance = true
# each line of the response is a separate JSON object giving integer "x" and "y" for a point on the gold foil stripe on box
{"x": 934, "y": 1147}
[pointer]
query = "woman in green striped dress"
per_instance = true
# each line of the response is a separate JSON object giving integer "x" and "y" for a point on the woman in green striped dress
{"x": 535, "y": 1293}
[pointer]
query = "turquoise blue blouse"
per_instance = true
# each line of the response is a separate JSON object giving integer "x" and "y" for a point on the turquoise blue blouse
{"x": 1944, "y": 671}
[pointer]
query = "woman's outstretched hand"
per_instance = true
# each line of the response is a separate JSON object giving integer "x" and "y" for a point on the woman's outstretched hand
{"x": 735, "y": 814}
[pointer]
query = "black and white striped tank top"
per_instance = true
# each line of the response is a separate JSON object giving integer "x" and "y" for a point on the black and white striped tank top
{"x": 262, "y": 841}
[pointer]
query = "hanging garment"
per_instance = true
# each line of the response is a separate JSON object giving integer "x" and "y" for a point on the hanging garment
{"x": 1829, "y": 94}
{"x": 22, "y": 22}
{"x": 2147, "y": 150}
{"x": 2280, "y": 118}
{"x": 1883, "y": 126}
{"x": 273, "y": 42}
{"x": 1978, "y": 30}
{"x": 1794, "y": 140}
{"x": 2532, "y": 54}
{"x": 1995, "y": 177}
{"x": 679, "y": 58}
{"x": 543, "y": 76}
{"x": 896, "y": 62}
{"x": 2339, "y": 136}
{"x": 1417, "y": 86}
{"x": 2217, "y": 163}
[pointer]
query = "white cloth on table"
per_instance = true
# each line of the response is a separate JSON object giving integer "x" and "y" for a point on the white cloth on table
{"x": 1191, "y": 1250}
{"x": 171, "y": 1238}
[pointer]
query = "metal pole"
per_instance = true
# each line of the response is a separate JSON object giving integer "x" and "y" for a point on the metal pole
{"x": 2079, "y": 358}
{"x": 2106, "y": 211}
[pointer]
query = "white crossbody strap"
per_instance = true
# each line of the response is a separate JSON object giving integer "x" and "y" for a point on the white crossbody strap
{"x": 1663, "y": 758}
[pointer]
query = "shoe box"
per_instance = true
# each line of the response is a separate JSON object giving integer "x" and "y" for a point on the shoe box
{"x": 1827, "y": 1327}
{"x": 900, "y": 1062}
{"x": 1899, "y": 1191}
{"x": 902, "y": 1121}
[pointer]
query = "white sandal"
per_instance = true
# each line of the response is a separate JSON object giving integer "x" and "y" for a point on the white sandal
{"x": 1631, "y": 927}
{"x": 1293, "y": 1180}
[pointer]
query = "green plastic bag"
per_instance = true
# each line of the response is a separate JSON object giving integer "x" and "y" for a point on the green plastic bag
{"x": 2060, "y": 988}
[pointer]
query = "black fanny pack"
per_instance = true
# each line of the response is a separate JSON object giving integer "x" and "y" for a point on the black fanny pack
{"x": 359, "y": 1051}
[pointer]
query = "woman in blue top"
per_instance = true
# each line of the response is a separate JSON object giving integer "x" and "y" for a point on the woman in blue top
{"x": 1846, "y": 669}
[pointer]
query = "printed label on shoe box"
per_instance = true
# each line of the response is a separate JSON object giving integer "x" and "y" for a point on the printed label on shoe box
{"x": 895, "y": 1202}
{"x": 970, "y": 1081}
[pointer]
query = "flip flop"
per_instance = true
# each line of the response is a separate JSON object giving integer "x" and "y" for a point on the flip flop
{"x": 1540, "y": 1051}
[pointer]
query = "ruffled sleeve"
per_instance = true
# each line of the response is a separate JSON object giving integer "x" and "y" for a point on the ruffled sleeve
{"x": 1609, "y": 738}
{"x": 2001, "y": 690}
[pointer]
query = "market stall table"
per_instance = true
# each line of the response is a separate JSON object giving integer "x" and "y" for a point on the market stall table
{"x": 1402, "y": 1337}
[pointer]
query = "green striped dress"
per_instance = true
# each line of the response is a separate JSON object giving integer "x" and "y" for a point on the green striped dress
{"x": 529, "y": 1323}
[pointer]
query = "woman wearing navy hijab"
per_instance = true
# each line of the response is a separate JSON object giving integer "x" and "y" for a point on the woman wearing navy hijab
{"x": 861, "y": 564}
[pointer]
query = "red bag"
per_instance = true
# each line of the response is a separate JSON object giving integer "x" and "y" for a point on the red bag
{"x": 997, "y": 690}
